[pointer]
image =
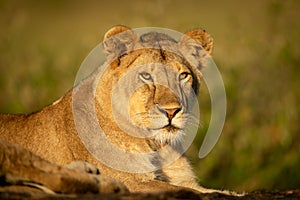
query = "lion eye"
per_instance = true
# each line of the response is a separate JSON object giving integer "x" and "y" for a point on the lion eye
{"x": 146, "y": 76}
{"x": 183, "y": 75}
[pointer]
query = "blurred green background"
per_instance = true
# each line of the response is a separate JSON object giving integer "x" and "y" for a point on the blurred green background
{"x": 257, "y": 50}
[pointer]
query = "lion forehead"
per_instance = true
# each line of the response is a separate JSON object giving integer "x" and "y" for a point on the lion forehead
{"x": 153, "y": 59}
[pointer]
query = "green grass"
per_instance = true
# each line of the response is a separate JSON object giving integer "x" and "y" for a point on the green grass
{"x": 42, "y": 44}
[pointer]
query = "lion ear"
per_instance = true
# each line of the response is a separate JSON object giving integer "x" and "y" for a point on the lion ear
{"x": 196, "y": 45}
{"x": 201, "y": 37}
{"x": 119, "y": 40}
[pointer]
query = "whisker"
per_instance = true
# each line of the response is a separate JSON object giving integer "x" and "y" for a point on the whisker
{"x": 140, "y": 113}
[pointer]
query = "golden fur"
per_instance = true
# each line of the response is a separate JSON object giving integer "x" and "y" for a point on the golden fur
{"x": 51, "y": 133}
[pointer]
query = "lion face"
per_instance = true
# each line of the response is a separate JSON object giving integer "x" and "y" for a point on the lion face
{"x": 160, "y": 102}
{"x": 154, "y": 87}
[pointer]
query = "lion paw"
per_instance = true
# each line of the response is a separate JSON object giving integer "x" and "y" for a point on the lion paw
{"x": 82, "y": 166}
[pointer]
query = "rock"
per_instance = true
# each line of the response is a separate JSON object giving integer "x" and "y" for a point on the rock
{"x": 21, "y": 193}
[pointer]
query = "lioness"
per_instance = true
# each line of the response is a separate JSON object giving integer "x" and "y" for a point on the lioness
{"x": 167, "y": 72}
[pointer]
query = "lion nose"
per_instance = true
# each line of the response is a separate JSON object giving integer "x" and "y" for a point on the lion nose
{"x": 171, "y": 112}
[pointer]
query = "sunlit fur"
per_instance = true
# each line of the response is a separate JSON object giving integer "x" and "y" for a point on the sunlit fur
{"x": 53, "y": 134}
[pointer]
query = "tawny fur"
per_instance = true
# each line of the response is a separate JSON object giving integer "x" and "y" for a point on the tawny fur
{"x": 51, "y": 132}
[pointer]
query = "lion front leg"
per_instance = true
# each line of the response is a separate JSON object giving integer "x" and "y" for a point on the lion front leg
{"x": 21, "y": 167}
{"x": 180, "y": 173}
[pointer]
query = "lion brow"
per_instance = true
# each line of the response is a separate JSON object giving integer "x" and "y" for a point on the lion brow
{"x": 133, "y": 60}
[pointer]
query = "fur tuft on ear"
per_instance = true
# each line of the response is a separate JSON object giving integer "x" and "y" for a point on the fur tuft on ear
{"x": 202, "y": 38}
{"x": 118, "y": 40}
{"x": 115, "y": 30}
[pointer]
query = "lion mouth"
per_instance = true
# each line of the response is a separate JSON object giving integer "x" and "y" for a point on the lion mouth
{"x": 168, "y": 128}
{"x": 171, "y": 128}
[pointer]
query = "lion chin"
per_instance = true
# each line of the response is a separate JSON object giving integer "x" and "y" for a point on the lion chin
{"x": 168, "y": 135}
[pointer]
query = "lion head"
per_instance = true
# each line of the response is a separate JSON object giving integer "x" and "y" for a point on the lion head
{"x": 152, "y": 81}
